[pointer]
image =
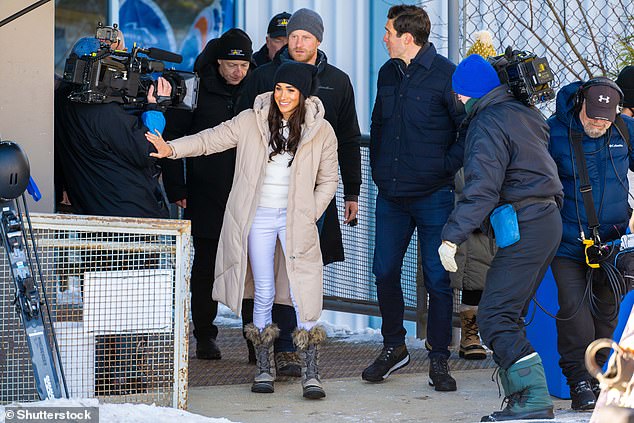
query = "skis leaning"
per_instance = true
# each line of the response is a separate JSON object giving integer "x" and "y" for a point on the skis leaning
{"x": 28, "y": 304}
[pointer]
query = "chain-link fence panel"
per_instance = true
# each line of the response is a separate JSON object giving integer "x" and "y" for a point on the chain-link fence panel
{"x": 581, "y": 39}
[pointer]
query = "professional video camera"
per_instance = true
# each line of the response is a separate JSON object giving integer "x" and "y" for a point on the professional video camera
{"x": 106, "y": 76}
{"x": 527, "y": 75}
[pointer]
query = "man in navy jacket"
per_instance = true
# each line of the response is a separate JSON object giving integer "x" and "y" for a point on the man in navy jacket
{"x": 588, "y": 109}
{"x": 414, "y": 157}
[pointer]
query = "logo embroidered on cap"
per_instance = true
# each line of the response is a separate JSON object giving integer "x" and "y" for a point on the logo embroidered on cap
{"x": 235, "y": 52}
{"x": 282, "y": 22}
{"x": 602, "y": 99}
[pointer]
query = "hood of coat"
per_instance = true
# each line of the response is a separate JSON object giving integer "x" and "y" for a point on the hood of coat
{"x": 565, "y": 109}
{"x": 315, "y": 113}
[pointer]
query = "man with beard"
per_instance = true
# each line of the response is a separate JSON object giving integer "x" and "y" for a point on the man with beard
{"x": 588, "y": 114}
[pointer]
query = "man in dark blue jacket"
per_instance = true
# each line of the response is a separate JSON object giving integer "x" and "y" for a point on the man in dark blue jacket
{"x": 588, "y": 110}
{"x": 414, "y": 157}
{"x": 507, "y": 163}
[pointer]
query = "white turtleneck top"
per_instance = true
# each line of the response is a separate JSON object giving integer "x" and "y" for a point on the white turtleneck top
{"x": 276, "y": 178}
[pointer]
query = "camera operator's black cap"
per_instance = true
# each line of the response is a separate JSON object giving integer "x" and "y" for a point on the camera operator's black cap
{"x": 625, "y": 81}
{"x": 277, "y": 26}
{"x": 302, "y": 76}
{"x": 234, "y": 44}
{"x": 601, "y": 101}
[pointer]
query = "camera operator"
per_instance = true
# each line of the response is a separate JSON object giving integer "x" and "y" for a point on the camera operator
{"x": 104, "y": 155}
{"x": 587, "y": 114}
{"x": 507, "y": 164}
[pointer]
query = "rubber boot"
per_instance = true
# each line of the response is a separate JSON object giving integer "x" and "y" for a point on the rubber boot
{"x": 470, "y": 346}
{"x": 263, "y": 344}
{"x": 527, "y": 396}
{"x": 307, "y": 343}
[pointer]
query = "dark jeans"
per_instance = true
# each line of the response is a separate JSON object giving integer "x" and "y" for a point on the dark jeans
{"x": 204, "y": 308}
{"x": 574, "y": 335}
{"x": 396, "y": 219}
{"x": 515, "y": 274}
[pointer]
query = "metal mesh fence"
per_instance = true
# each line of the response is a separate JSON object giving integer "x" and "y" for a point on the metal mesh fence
{"x": 118, "y": 290}
{"x": 580, "y": 38}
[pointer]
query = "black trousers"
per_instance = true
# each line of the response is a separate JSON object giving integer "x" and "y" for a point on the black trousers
{"x": 283, "y": 316}
{"x": 576, "y": 333}
{"x": 204, "y": 308}
{"x": 514, "y": 276}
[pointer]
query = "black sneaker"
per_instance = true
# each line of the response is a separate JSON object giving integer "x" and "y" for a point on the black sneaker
{"x": 439, "y": 376}
{"x": 390, "y": 360}
{"x": 582, "y": 396}
{"x": 207, "y": 350}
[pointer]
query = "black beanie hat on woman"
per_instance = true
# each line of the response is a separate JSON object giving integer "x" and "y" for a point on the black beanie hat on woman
{"x": 300, "y": 75}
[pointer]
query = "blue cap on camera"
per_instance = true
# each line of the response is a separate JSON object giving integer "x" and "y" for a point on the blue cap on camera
{"x": 474, "y": 77}
{"x": 86, "y": 46}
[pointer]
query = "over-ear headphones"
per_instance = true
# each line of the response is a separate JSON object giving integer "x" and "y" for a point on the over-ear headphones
{"x": 599, "y": 80}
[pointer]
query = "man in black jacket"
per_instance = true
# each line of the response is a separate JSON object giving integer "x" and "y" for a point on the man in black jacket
{"x": 414, "y": 157}
{"x": 275, "y": 39}
{"x": 203, "y": 191}
{"x": 305, "y": 31}
{"x": 102, "y": 151}
{"x": 507, "y": 165}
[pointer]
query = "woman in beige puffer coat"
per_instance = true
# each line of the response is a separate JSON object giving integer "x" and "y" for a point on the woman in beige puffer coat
{"x": 286, "y": 174}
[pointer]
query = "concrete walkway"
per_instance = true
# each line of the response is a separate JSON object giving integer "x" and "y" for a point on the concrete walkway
{"x": 402, "y": 398}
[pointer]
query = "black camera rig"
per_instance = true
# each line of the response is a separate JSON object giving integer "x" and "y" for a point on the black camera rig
{"x": 118, "y": 76}
{"x": 528, "y": 76}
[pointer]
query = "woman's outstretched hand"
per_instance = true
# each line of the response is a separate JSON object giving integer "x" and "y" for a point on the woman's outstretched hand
{"x": 162, "y": 148}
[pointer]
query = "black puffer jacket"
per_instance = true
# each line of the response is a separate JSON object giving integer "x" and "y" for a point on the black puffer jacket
{"x": 506, "y": 160}
{"x": 337, "y": 95}
{"x": 208, "y": 178}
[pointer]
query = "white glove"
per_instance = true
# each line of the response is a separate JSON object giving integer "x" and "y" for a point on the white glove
{"x": 447, "y": 253}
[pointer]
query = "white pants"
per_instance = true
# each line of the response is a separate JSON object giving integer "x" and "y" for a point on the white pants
{"x": 268, "y": 225}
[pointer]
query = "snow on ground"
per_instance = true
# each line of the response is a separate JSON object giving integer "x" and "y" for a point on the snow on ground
{"x": 123, "y": 413}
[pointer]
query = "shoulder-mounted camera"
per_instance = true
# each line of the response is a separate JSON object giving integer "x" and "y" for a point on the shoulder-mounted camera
{"x": 527, "y": 75}
{"x": 103, "y": 75}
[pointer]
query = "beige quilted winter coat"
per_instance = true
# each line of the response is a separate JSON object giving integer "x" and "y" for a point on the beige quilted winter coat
{"x": 313, "y": 183}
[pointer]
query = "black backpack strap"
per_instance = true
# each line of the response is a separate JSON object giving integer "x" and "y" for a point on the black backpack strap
{"x": 621, "y": 126}
{"x": 584, "y": 180}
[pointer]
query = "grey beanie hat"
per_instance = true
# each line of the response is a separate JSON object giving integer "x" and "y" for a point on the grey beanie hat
{"x": 307, "y": 20}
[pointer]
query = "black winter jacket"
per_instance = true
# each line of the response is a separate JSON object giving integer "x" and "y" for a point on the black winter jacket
{"x": 208, "y": 178}
{"x": 261, "y": 57}
{"x": 337, "y": 95}
{"x": 413, "y": 148}
{"x": 106, "y": 160}
{"x": 506, "y": 160}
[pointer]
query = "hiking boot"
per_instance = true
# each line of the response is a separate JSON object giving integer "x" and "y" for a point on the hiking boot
{"x": 263, "y": 344}
{"x": 208, "y": 350}
{"x": 470, "y": 346}
{"x": 439, "y": 376}
{"x": 527, "y": 396}
{"x": 582, "y": 396}
{"x": 390, "y": 360}
{"x": 308, "y": 342}
{"x": 288, "y": 364}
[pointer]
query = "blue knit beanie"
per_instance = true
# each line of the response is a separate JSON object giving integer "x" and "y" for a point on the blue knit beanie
{"x": 474, "y": 77}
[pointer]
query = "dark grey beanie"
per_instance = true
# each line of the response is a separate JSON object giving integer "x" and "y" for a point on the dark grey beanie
{"x": 307, "y": 20}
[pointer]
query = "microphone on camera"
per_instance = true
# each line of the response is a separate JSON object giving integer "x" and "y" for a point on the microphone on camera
{"x": 164, "y": 55}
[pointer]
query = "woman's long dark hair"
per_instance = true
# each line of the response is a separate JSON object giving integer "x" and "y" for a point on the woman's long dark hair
{"x": 277, "y": 142}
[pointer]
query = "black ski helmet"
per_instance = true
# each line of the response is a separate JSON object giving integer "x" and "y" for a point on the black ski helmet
{"x": 14, "y": 171}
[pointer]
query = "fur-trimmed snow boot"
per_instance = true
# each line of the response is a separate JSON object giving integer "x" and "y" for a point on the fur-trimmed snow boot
{"x": 263, "y": 343}
{"x": 307, "y": 343}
